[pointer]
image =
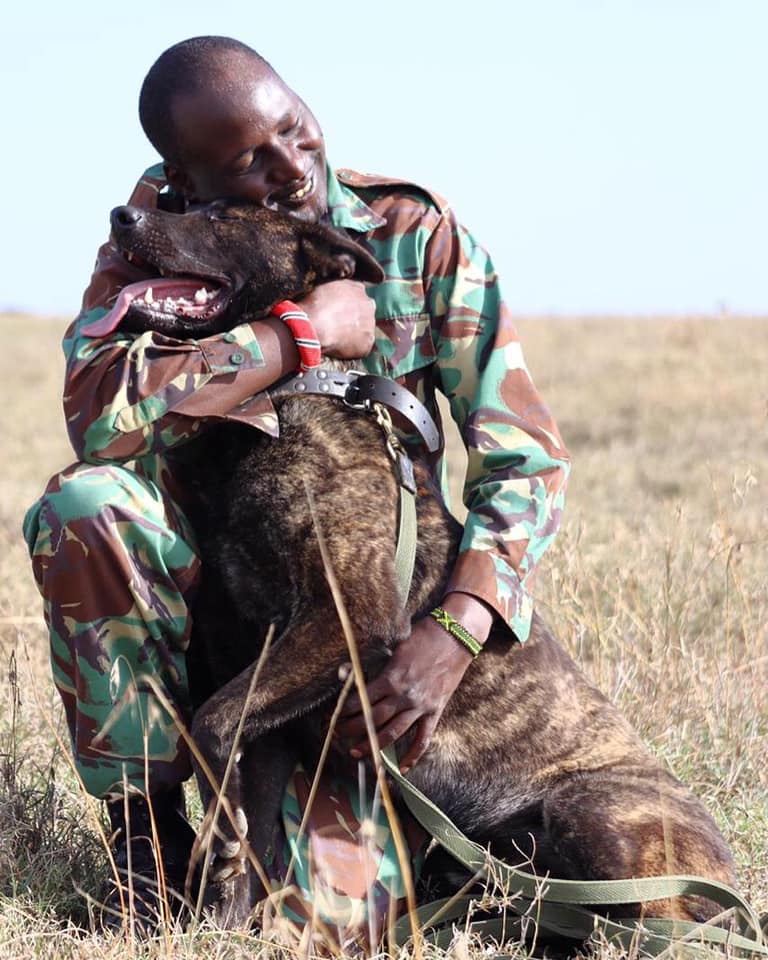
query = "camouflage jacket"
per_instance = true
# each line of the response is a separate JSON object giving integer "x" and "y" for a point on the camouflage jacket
{"x": 441, "y": 324}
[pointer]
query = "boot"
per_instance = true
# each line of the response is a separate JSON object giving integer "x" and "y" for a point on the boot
{"x": 142, "y": 903}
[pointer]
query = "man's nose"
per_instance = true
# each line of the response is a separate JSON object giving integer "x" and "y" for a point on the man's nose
{"x": 288, "y": 165}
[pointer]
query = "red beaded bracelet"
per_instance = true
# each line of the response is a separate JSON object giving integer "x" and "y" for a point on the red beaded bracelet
{"x": 303, "y": 332}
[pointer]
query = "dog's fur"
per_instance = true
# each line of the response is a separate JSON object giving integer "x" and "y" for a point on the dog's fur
{"x": 528, "y": 756}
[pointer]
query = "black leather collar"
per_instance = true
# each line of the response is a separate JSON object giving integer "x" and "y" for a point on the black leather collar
{"x": 360, "y": 391}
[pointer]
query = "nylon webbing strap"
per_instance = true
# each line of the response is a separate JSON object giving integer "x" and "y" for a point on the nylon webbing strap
{"x": 405, "y": 552}
{"x": 559, "y": 905}
{"x": 567, "y": 921}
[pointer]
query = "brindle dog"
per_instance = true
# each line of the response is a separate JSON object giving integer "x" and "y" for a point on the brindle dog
{"x": 528, "y": 757}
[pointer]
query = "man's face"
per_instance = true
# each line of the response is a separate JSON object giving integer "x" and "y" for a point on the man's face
{"x": 250, "y": 137}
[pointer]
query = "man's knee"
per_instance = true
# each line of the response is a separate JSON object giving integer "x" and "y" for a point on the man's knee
{"x": 85, "y": 492}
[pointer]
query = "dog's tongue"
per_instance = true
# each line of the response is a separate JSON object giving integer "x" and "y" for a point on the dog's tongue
{"x": 163, "y": 291}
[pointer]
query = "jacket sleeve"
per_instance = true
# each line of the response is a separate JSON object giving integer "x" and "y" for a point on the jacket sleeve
{"x": 517, "y": 463}
{"x": 126, "y": 396}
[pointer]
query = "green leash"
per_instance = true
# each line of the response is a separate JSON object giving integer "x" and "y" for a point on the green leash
{"x": 558, "y": 906}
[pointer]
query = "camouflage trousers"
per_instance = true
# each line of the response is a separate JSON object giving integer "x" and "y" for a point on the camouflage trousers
{"x": 115, "y": 561}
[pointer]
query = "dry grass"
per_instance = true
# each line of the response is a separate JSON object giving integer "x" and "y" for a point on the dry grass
{"x": 657, "y": 583}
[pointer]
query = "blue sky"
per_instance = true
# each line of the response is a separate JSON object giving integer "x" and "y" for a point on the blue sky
{"x": 612, "y": 154}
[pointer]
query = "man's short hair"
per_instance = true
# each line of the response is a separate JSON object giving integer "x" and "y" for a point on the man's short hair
{"x": 186, "y": 68}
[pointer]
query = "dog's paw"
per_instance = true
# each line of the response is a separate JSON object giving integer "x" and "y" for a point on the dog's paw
{"x": 230, "y": 904}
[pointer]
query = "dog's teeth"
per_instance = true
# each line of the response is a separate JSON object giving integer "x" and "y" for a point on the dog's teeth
{"x": 129, "y": 256}
{"x": 155, "y": 304}
{"x": 201, "y": 296}
{"x": 149, "y": 295}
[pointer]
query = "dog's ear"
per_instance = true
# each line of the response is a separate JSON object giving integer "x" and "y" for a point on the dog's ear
{"x": 333, "y": 255}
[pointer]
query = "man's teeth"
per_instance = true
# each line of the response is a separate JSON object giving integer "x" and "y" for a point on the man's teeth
{"x": 300, "y": 194}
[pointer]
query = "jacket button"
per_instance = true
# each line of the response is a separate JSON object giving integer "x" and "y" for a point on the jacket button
{"x": 237, "y": 357}
{"x": 230, "y": 337}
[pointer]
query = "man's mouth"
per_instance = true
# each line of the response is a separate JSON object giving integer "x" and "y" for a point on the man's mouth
{"x": 297, "y": 196}
{"x": 194, "y": 300}
{"x": 303, "y": 191}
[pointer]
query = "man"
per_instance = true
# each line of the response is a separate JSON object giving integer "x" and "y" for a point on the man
{"x": 113, "y": 550}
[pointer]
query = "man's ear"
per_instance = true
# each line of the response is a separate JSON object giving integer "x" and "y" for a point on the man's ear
{"x": 179, "y": 179}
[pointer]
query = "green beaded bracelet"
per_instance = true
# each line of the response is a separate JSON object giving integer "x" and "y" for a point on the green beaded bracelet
{"x": 447, "y": 622}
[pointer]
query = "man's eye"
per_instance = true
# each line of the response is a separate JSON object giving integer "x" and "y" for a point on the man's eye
{"x": 291, "y": 128}
{"x": 242, "y": 165}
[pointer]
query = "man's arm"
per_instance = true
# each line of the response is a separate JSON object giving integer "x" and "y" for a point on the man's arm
{"x": 517, "y": 468}
{"x": 518, "y": 465}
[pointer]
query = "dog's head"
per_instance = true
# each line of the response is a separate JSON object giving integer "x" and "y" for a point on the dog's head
{"x": 224, "y": 263}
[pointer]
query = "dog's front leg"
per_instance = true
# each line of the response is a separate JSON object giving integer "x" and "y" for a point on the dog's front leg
{"x": 239, "y": 826}
{"x": 300, "y": 673}
{"x": 266, "y": 768}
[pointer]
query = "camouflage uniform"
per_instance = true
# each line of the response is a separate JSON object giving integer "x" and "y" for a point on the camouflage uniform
{"x": 113, "y": 554}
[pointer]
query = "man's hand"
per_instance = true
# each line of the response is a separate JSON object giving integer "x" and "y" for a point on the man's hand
{"x": 344, "y": 317}
{"x": 417, "y": 682}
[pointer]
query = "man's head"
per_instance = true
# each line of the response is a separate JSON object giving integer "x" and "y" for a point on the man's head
{"x": 227, "y": 126}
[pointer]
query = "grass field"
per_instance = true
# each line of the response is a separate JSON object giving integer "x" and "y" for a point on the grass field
{"x": 657, "y": 583}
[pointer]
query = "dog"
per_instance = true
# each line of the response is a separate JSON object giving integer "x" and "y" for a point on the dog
{"x": 529, "y": 758}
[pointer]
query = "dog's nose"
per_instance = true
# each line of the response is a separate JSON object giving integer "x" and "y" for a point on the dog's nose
{"x": 125, "y": 217}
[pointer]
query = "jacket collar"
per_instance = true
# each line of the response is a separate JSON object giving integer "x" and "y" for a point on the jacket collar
{"x": 347, "y": 210}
